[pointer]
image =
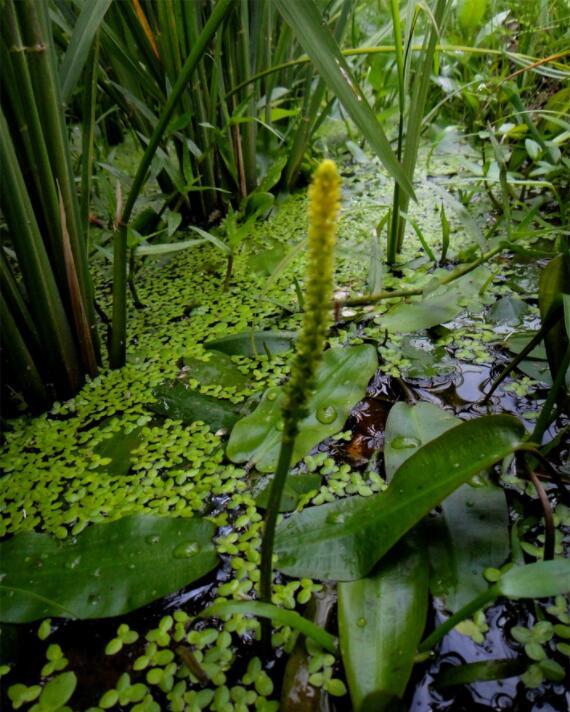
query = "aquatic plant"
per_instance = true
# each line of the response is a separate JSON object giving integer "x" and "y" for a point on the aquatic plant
{"x": 324, "y": 204}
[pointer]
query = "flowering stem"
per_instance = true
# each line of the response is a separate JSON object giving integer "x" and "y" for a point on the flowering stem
{"x": 324, "y": 203}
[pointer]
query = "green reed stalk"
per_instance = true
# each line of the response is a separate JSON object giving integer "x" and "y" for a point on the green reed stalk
{"x": 413, "y": 127}
{"x": 324, "y": 203}
{"x": 118, "y": 334}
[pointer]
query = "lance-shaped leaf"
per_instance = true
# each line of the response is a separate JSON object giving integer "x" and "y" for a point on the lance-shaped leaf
{"x": 381, "y": 621}
{"x": 304, "y": 18}
{"x": 111, "y": 569}
{"x": 343, "y": 540}
{"x": 341, "y": 382}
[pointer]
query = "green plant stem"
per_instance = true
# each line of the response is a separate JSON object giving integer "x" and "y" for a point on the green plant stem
{"x": 544, "y": 418}
{"x": 549, "y": 537}
{"x": 366, "y": 299}
{"x": 390, "y": 49}
{"x": 119, "y": 323}
{"x": 536, "y": 339}
{"x": 467, "y": 610}
{"x": 271, "y": 514}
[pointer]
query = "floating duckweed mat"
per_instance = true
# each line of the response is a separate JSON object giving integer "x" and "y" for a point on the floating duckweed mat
{"x": 108, "y": 453}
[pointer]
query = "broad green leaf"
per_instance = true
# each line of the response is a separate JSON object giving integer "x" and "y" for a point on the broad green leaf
{"x": 219, "y": 369}
{"x": 540, "y": 580}
{"x": 254, "y": 343}
{"x": 178, "y": 402}
{"x": 88, "y": 22}
{"x": 304, "y": 18}
{"x": 295, "y": 487}
{"x": 479, "y": 672}
{"x": 517, "y": 342}
{"x": 437, "y": 308}
{"x": 343, "y": 540}
{"x": 341, "y": 382}
{"x": 118, "y": 448}
{"x": 278, "y": 615}
{"x": 409, "y": 427}
{"x": 109, "y": 570}
{"x": 469, "y": 535}
{"x": 508, "y": 310}
{"x": 381, "y": 620}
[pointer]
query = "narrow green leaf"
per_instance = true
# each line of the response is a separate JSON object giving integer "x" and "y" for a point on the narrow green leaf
{"x": 278, "y": 615}
{"x": 304, "y": 18}
{"x": 480, "y": 672}
{"x": 166, "y": 248}
{"x": 109, "y": 570}
{"x": 341, "y": 382}
{"x": 381, "y": 621}
{"x": 343, "y": 540}
{"x": 75, "y": 58}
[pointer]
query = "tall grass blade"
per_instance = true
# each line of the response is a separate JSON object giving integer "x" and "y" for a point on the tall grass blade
{"x": 305, "y": 19}
{"x": 75, "y": 59}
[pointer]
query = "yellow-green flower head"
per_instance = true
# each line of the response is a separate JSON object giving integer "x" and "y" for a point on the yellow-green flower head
{"x": 324, "y": 205}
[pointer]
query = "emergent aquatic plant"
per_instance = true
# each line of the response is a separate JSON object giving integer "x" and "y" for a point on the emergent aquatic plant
{"x": 324, "y": 203}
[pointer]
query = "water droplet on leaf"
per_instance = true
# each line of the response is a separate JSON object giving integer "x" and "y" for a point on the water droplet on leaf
{"x": 326, "y": 415}
{"x": 186, "y": 550}
{"x": 401, "y": 442}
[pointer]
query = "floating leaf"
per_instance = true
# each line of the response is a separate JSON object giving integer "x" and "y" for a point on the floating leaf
{"x": 178, "y": 402}
{"x": 254, "y": 343}
{"x": 470, "y": 535}
{"x": 540, "y": 580}
{"x": 219, "y": 369}
{"x": 471, "y": 532}
{"x": 381, "y": 621}
{"x": 409, "y": 427}
{"x": 341, "y": 382}
{"x": 110, "y": 570}
{"x": 437, "y": 308}
{"x": 58, "y": 691}
{"x": 508, "y": 310}
{"x": 118, "y": 449}
{"x": 343, "y": 540}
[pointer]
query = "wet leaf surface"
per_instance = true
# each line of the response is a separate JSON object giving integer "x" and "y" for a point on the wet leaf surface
{"x": 341, "y": 382}
{"x": 111, "y": 569}
{"x": 343, "y": 540}
{"x": 178, "y": 402}
{"x": 381, "y": 622}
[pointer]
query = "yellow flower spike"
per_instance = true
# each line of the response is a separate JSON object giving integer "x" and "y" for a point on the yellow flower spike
{"x": 324, "y": 205}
